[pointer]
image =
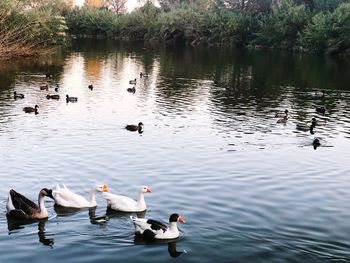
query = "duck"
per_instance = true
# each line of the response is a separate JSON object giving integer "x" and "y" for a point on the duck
{"x": 18, "y": 95}
{"x": 71, "y": 99}
{"x": 281, "y": 114}
{"x": 44, "y": 87}
{"x": 305, "y": 127}
{"x": 57, "y": 87}
{"x": 321, "y": 110}
{"x": 132, "y": 127}
{"x": 91, "y": 87}
{"x": 66, "y": 198}
{"x": 131, "y": 90}
{"x": 126, "y": 204}
{"x": 283, "y": 120}
{"x": 21, "y": 208}
{"x": 154, "y": 229}
{"x": 53, "y": 97}
{"x": 31, "y": 109}
{"x": 316, "y": 143}
{"x": 132, "y": 81}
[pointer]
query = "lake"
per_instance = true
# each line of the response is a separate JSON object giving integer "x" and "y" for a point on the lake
{"x": 250, "y": 189}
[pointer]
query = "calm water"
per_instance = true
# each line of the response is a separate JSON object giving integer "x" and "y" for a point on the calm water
{"x": 249, "y": 189}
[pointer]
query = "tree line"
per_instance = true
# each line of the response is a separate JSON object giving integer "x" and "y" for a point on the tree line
{"x": 306, "y": 25}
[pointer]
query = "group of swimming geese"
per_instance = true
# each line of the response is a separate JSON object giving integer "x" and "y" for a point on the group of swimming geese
{"x": 303, "y": 126}
{"x": 20, "y": 208}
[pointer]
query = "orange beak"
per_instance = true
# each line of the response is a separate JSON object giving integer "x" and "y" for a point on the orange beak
{"x": 149, "y": 190}
{"x": 181, "y": 219}
{"x": 105, "y": 188}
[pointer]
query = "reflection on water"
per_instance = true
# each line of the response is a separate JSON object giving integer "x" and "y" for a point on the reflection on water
{"x": 251, "y": 189}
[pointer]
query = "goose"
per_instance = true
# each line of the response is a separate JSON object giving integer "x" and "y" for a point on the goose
{"x": 131, "y": 90}
{"x": 20, "y": 207}
{"x": 31, "y": 109}
{"x": 127, "y": 204}
{"x": 150, "y": 228}
{"x": 53, "y": 97}
{"x": 91, "y": 87}
{"x": 281, "y": 114}
{"x": 71, "y": 99}
{"x": 132, "y": 127}
{"x": 66, "y": 198}
{"x": 304, "y": 127}
{"x": 283, "y": 120}
{"x": 44, "y": 87}
{"x": 321, "y": 110}
{"x": 18, "y": 95}
{"x": 132, "y": 81}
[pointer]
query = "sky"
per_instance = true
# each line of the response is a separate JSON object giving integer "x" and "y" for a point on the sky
{"x": 130, "y": 5}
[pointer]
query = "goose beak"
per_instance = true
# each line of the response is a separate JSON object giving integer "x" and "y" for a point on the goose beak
{"x": 149, "y": 190}
{"x": 181, "y": 219}
{"x": 105, "y": 188}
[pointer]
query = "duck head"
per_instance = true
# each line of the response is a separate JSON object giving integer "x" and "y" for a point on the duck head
{"x": 145, "y": 189}
{"x": 176, "y": 218}
{"x": 46, "y": 192}
{"x": 102, "y": 188}
{"x": 286, "y": 111}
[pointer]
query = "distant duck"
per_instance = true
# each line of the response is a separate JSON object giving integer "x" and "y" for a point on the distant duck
{"x": 66, "y": 198}
{"x": 53, "y": 97}
{"x": 316, "y": 143}
{"x": 44, "y": 87}
{"x": 281, "y": 114}
{"x": 31, "y": 109}
{"x": 127, "y": 204}
{"x": 132, "y": 81}
{"x": 132, "y": 127}
{"x": 71, "y": 99}
{"x": 91, "y": 87}
{"x": 321, "y": 110}
{"x": 57, "y": 87}
{"x": 153, "y": 229}
{"x": 21, "y": 208}
{"x": 283, "y": 120}
{"x": 305, "y": 127}
{"x": 18, "y": 95}
{"x": 131, "y": 90}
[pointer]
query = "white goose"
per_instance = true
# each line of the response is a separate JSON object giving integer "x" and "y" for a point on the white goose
{"x": 21, "y": 208}
{"x": 150, "y": 228}
{"x": 127, "y": 204}
{"x": 65, "y": 197}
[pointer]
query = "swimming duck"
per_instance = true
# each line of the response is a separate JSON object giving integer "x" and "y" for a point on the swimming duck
{"x": 281, "y": 114}
{"x": 71, "y": 99}
{"x": 20, "y": 207}
{"x": 132, "y": 127}
{"x": 321, "y": 110}
{"x": 131, "y": 90}
{"x": 91, "y": 87}
{"x": 127, "y": 204}
{"x": 18, "y": 95}
{"x": 304, "y": 127}
{"x": 283, "y": 120}
{"x": 66, "y": 198}
{"x": 53, "y": 97}
{"x": 31, "y": 109}
{"x": 132, "y": 81}
{"x": 316, "y": 143}
{"x": 57, "y": 87}
{"x": 44, "y": 87}
{"x": 153, "y": 229}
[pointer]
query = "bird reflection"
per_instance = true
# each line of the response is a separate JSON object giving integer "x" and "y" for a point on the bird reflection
{"x": 97, "y": 220}
{"x": 140, "y": 240}
{"x": 113, "y": 213}
{"x": 17, "y": 225}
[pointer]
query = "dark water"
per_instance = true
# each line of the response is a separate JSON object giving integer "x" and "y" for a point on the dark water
{"x": 249, "y": 189}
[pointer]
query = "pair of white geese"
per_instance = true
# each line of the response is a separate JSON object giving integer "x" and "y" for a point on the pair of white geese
{"x": 20, "y": 207}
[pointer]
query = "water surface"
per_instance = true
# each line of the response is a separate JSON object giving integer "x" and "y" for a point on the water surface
{"x": 250, "y": 190}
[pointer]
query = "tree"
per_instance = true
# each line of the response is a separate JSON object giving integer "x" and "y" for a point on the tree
{"x": 117, "y": 6}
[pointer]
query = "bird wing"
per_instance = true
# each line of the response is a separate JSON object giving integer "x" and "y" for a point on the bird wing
{"x": 120, "y": 202}
{"x": 22, "y": 203}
